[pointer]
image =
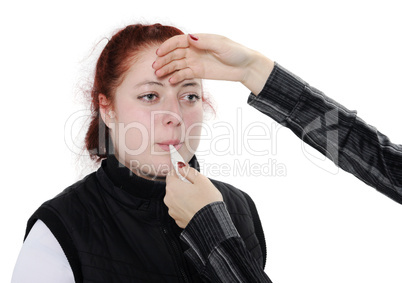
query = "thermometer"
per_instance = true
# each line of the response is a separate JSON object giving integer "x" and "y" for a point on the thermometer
{"x": 175, "y": 157}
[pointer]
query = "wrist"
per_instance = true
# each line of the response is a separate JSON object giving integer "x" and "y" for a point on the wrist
{"x": 257, "y": 72}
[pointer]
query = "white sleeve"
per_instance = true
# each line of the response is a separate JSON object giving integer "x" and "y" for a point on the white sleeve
{"x": 42, "y": 259}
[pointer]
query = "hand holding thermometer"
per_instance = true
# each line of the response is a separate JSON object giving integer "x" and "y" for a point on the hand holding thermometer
{"x": 175, "y": 157}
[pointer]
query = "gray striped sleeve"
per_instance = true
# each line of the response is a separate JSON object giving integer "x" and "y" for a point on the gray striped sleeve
{"x": 332, "y": 129}
{"x": 217, "y": 250}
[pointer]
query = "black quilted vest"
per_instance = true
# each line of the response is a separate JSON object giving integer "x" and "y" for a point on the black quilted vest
{"x": 114, "y": 227}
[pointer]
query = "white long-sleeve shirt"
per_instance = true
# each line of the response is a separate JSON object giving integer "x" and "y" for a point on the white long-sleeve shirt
{"x": 41, "y": 259}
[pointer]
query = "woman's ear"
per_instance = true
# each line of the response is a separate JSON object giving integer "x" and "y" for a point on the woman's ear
{"x": 105, "y": 109}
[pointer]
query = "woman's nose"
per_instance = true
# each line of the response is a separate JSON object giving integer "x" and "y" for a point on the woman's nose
{"x": 171, "y": 119}
{"x": 172, "y": 115}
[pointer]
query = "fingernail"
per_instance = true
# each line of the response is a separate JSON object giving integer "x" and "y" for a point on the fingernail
{"x": 193, "y": 37}
{"x": 181, "y": 164}
{"x": 153, "y": 64}
{"x": 157, "y": 51}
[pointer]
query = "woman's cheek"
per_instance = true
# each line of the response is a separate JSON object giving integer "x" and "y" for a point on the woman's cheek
{"x": 134, "y": 134}
{"x": 136, "y": 139}
{"x": 193, "y": 133}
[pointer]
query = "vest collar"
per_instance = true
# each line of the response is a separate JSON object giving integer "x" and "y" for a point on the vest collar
{"x": 125, "y": 179}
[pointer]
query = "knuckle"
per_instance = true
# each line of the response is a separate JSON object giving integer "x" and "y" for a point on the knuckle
{"x": 169, "y": 57}
{"x": 171, "y": 68}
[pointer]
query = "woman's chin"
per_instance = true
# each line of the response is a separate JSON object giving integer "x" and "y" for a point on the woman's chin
{"x": 155, "y": 171}
{"x": 154, "y": 176}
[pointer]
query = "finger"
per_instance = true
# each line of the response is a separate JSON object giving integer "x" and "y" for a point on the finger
{"x": 172, "y": 67}
{"x": 178, "y": 41}
{"x": 176, "y": 54}
{"x": 171, "y": 179}
{"x": 175, "y": 217}
{"x": 181, "y": 75}
{"x": 180, "y": 224}
{"x": 207, "y": 41}
{"x": 189, "y": 173}
{"x": 171, "y": 176}
{"x": 166, "y": 199}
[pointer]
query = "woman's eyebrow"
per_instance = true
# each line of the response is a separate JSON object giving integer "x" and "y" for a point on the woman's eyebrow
{"x": 183, "y": 84}
{"x": 149, "y": 83}
{"x": 190, "y": 84}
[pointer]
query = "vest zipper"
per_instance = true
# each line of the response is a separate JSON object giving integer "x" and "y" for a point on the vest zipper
{"x": 177, "y": 252}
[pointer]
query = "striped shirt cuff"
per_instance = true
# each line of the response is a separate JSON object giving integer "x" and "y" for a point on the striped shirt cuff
{"x": 280, "y": 94}
{"x": 210, "y": 226}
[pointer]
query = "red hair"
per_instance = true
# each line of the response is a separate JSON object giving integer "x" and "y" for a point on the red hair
{"x": 113, "y": 63}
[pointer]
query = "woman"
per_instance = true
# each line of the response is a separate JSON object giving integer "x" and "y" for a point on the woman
{"x": 113, "y": 226}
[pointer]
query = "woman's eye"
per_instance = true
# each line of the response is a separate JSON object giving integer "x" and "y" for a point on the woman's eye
{"x": 149, "y": 97}
{"x": 192, "y": 97}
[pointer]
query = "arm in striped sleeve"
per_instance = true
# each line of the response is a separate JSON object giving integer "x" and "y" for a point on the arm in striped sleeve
{"x": 217, "y": 250}
{"x": 335, "y": 131}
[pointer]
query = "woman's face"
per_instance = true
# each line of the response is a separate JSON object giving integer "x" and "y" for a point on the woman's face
{"x": 150, "y": 114}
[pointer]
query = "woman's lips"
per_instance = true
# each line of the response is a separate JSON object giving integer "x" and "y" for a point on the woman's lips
{"x": 165, "y": 145}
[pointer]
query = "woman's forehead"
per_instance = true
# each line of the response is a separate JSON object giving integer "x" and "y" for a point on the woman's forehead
{"x": 141, "y": 73}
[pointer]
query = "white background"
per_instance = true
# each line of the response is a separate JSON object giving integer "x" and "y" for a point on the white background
{"x": 321, "y": 224}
